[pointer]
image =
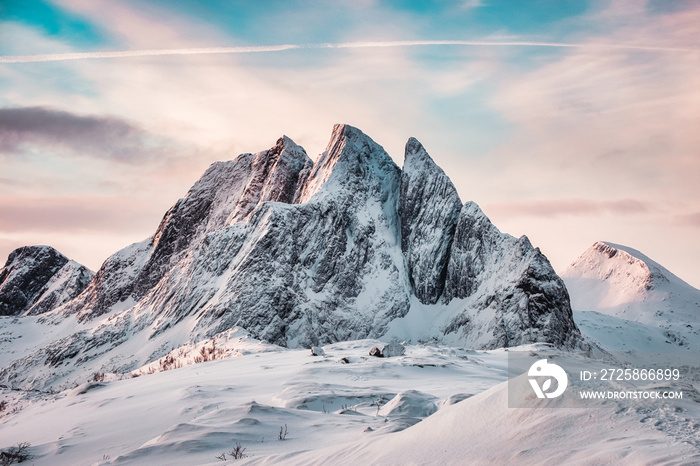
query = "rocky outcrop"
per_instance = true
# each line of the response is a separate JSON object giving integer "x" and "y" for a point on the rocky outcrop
{"x": 37, "y": 279}
{"x": 227, "y": 193}
{"x": 507, "y": 280}
{"x": 429, "y": 207}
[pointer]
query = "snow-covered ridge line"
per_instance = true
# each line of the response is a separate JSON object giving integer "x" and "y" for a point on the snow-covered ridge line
{"x": 615, "y": 287}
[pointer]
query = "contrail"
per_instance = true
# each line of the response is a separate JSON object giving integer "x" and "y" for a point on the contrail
{"x": 342, "y": 45}
{"x": 141, "y": 53}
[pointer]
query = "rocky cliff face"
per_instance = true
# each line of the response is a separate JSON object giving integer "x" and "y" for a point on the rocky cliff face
{"x": 37, "y": 279}
{"x": 429, "y": 208}
{"x": 324, "y": 270}
{"x": 514, "y": 281}
{"x": 227, "y": 193}
{"x": 301, "y": 253}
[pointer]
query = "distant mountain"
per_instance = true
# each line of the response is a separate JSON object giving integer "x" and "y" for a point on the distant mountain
{"x": 299, "y": 253}
{"x": 37, "y": 279}
{"x": 623, "y": 283}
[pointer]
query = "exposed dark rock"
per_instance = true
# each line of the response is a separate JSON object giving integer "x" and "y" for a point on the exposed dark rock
{"x": 429, "y": 207}
{"x": 526, "y": 300}
{"x": 37, "y": 279}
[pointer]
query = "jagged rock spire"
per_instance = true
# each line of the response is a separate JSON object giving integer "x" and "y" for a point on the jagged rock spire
{"x": 428, "y": 207}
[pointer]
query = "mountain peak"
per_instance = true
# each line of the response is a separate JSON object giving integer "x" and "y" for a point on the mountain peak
{"x": 38, "y": 252}
{"x": 36, "y": 279}
{"x": 621, "y": 282}
{"x": 345, "y": 130}
{"x": 414, "y": 149}
{"x": 416, "y": 158}
{"x": 352, "y": 161}
{"x": 429, "y": 207}
{"x": 614, "y": 276}
{"x": 612, "y": 262}
{"x": 609, "y": 275}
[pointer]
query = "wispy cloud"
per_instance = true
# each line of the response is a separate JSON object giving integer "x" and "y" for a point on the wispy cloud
{"x": 691, "y": 220}
{"x": 342, "y": 45}
{"x": 569, "y": 207}
{"x": 74, "y": 215}
{"x": 108, "y": 137}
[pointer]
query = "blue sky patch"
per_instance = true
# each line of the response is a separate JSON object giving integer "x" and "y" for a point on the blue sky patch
{"x": 53, "y": 21}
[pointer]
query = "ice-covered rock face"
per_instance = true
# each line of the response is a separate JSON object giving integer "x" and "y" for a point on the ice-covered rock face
{"x": 507, "y": 280}
{"x": 37, "y": 279}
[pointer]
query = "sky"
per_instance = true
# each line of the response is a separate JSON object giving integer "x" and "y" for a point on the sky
{"x": 566, "y": 121}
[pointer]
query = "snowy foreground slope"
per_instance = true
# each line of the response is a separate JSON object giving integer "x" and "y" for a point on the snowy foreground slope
{"x": 366, "y": 411}
{"x": 434, "y": 405}
{"x": 300, "y": 253}
{"x": 625, "y": 301}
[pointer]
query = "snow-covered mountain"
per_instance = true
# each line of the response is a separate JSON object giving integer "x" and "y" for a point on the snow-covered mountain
{"x": 300, "y": 253}
{"x": 274, "y": 250}
{"x": 37, "y": 279}
{"x": 631, "y": 291}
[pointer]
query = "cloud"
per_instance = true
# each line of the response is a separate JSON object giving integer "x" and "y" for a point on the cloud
{"x": 691, "y": 220}
{"x": 142, "y": 53}
{"x": 615, "y": 122}
{"x": 59, "y": 132}
{"x": 569, "y": 207}
{"x": 340, "y": 45}
{"x": 75, "y": 214}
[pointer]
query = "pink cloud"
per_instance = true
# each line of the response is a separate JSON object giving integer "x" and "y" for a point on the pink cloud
{"x": 692, "y": 220}
{"x": 569, "y": 207}
{"x": 75, "y": 214}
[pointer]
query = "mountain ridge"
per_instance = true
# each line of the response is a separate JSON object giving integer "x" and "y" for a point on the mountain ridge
{"x": 299, "y": 253}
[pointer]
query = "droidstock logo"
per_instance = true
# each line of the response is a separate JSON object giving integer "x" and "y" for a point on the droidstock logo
{"x": 542, "y": 368}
